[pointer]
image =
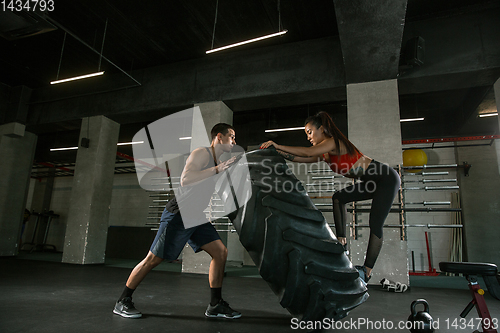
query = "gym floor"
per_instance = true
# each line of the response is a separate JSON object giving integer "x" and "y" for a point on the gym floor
{"x": 40, "y": 294}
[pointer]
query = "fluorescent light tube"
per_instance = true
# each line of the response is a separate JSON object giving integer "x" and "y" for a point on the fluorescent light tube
{"x": 68, "y": 148}
{"x": 488, "y": 114}
{"x": 285, "y": 129}
{"x": 130, "y": 143}
{"x": 118, "y": 144}
{"x": 248, "y": 41}
{"x": 410, "y": 119}
{"x": 77, "y": 77}
{"x": 185, "y": 138}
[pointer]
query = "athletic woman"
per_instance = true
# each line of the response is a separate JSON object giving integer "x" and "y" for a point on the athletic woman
{"x": 378, "y": 181}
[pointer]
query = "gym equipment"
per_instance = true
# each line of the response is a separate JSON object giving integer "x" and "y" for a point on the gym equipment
{"x": 490, "y": 276}
{"x": 425, "y": 203}
{"x": 414, "y": 157}
{"x": 34, "y": 245}
{"x": 431, "y": 271}
{"x": 422, "y": 320}
{"x": 449, "y": 180}
{"x": 291, "y": 243}
{"x": 401, "y": 206}
{"x": 466, "y": 166}
{"x": 396, "y": 287}
{"x": 432, "y": 188}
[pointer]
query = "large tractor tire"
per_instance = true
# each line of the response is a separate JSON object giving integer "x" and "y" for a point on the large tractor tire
{"x": 291, "y": 243}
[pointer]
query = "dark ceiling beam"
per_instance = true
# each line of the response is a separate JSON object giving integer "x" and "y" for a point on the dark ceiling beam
{"x": 16, "y": 109}
{"x": 457, "y": 44}
{"x": 433, "y": 82}
{"x": 312, "y": 70}
{"x": 370, "y": 35}
{"x": 469, "y": 107}
{"x": 122, "y": 32}
{"x": 286, "y": 69}
{"x": 128, "y": 29}
{"x": 461, "y": 51}
{"x": 91, "y": 48}
{"x": 288, "y": 99}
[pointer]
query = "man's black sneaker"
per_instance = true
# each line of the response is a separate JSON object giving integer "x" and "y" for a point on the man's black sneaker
{"x": 362, "y": 273}
{"x": 221, "y": 310}
{"x": 125, "y": 308}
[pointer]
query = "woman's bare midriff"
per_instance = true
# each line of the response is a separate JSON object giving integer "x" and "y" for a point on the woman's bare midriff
{"x": 358, "y": 168}
{"x": 363, "y": 163}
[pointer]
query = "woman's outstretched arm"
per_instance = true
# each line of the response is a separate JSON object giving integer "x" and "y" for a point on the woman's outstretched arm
{"x": 316, "y": 150}
{"x": 300, "y": 159}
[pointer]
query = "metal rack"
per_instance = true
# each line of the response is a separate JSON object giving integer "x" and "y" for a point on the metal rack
{"x": 161, "y": 197}
{"x": 165, "y": 194}
{"x": 220, "y": 222}
{"x": 401, "y": 207}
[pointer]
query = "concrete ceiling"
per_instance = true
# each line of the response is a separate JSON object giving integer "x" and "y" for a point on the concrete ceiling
{"x": 365, "y": 39}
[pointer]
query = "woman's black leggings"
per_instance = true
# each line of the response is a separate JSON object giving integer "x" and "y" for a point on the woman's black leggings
{"x": 379, "y": 183}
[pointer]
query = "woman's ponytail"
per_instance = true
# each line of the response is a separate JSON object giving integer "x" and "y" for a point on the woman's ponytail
{"x": 323, "y": 119}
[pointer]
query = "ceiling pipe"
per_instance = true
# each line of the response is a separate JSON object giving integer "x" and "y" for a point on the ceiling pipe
{"x": 464, "y": 138}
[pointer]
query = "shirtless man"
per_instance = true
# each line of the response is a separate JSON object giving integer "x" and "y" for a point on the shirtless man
{"x": 201, "y": 165}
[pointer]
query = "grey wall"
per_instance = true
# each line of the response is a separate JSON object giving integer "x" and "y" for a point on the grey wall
{"x": 129, "y": 206}
{"x": 480, "y": 194}
{"x": 480, "y": 200}
{"x": 439, "y": 238}
{"x": 15, "y": 167}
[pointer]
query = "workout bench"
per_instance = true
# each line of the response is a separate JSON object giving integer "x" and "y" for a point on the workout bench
{"x": 490, "y": 276}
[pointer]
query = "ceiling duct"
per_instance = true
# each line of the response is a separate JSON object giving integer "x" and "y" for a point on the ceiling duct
{"x": 15, "y": 25}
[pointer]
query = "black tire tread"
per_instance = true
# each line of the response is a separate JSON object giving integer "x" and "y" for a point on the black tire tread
{"x": 293, "y": 246}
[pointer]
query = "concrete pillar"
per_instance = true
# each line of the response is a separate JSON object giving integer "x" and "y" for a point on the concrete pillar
{"x": 480, "y": 193}
{"x": 86, "y": 231}
{"x": 374, "y": 127}
{"x": 17, "y": 149}
{"x": 496, "y": 88}
{"x": 212, "y": 113}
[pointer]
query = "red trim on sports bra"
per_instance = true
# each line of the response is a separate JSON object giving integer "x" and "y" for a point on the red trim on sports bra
{"x": 343, "y": 163}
